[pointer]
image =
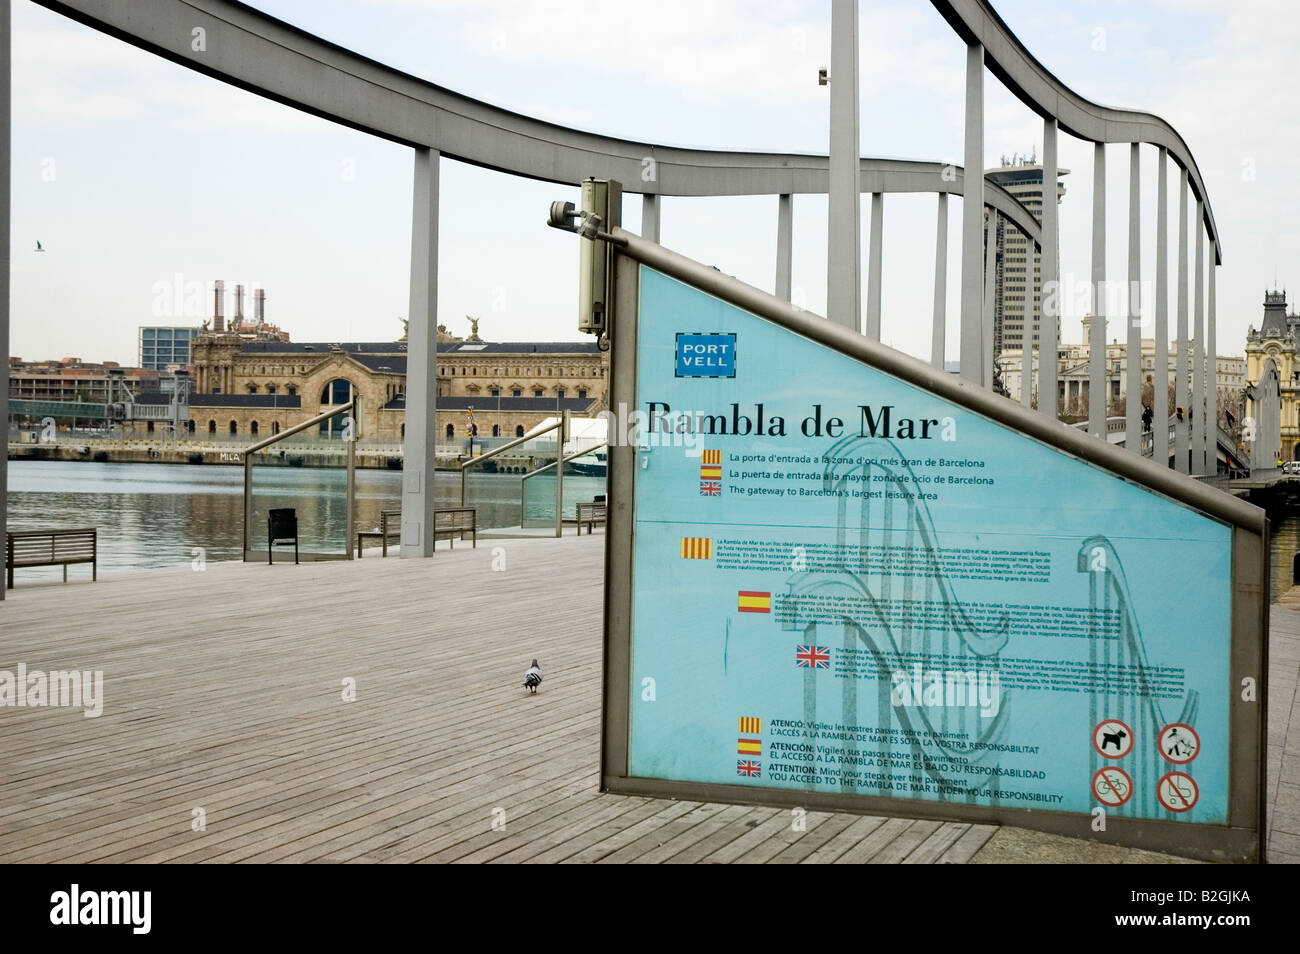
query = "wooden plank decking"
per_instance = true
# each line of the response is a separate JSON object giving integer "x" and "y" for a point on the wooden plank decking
{"x": 223, "y": 692}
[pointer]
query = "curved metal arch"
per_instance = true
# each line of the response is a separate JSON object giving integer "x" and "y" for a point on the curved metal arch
{"x": 256, "y": 52}
{"x": 1033, "y": 84}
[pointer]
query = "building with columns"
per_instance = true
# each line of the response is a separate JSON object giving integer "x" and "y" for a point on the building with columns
{"x": 1073, "y": 373}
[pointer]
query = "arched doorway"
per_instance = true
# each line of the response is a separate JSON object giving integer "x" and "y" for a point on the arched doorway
{"x": 335, "y": 393}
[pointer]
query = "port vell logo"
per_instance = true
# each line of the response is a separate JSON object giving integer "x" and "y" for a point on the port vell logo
{"x": 702, "y": 354}
{"x": 36, "y": 688}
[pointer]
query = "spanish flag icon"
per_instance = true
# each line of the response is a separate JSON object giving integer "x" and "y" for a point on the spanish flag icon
{"x": 749, "y": 747}
{"x": 697, "y": 548}
{"x": 752, "y": 601}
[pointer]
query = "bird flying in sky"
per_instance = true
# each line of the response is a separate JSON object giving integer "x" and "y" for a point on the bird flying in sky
{"x": 533, "y": 677}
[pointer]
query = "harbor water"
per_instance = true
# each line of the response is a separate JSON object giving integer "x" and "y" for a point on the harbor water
{"x": 153, "y": 515}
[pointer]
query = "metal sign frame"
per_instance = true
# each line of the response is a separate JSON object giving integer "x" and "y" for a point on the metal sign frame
{"x": 1240, "y": 840}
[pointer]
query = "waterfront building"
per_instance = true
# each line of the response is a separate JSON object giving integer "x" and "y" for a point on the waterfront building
{"x": 163, "y": 348}
{"x": 72, "y": 379}
{"x": 248, "y": 383}
{"x": 1023, "y": 178}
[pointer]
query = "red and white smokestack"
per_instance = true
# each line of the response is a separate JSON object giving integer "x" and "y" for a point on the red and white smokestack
{"x": 239, "y": 306}
{"x": 218, "y": 306}
{"x": 259, "y": 305}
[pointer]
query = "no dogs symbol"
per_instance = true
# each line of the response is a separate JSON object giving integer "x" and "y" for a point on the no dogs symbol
{"x": 1113, "y": 739}
{"x": 1112, "y": 786}
{"x": 1177, "y": 791}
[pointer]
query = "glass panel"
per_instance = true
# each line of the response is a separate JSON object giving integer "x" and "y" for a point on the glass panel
{"x": 494, "y": 486}
{"x": 584, "y": 480}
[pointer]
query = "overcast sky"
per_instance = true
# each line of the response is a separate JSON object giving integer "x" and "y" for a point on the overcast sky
{"x": 135, "y": 173}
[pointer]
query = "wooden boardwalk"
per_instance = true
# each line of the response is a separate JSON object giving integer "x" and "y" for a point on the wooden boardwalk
{"x": 223, "y": 702}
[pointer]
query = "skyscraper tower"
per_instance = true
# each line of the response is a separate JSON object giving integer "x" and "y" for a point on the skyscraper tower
{"x": 1022, "y": 177}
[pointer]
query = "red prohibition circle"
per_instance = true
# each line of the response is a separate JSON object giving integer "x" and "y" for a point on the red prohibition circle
{"x": 1185, "y": 805}
{"x": 1127, "y": 730}
{"x": 1166, "y": 755}
{"x": 1127, "y": 781}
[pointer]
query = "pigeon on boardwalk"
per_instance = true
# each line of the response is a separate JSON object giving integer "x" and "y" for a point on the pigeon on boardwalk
{"x": 533, "y": 677}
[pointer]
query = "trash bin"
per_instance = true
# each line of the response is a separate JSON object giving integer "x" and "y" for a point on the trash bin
{"x": 281, "y": 529}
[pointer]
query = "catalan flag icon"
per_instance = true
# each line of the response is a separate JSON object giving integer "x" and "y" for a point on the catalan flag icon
{"x": 749, "y": 747}
{"x": 697, "y": 548}
{"x": 750, "y": 725}
{"x": 711, "y": 465}
{"x": 751, "y": 601}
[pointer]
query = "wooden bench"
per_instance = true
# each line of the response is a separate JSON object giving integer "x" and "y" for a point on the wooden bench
{"x": 450, "y": 523}
{"x": 26, "y": 548}
{"x": 591, "y": 514}
{"x": 387, "y": 519}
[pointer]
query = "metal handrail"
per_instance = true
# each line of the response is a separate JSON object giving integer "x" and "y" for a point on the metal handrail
{"x": 496, "y": 451}
{"x": 319, "y": 418}
{"x": 248, "y": 452}
{"x": 523, "y": 490}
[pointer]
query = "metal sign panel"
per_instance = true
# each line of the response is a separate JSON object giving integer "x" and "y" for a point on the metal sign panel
{"x": 845, "y": 589}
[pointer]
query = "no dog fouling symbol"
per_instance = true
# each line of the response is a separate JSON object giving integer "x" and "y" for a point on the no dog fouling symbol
{"x": 1112, "y": 738}
{"x": 1179, "y": 743}
{"x": 1112, "y": 786}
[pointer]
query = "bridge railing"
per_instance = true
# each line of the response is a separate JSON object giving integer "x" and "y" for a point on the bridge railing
{"x": 256, "y": 52}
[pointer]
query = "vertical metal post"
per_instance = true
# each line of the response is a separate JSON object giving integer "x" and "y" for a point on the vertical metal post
{"x": 1181, "y": 397}
{"x": 350, "y": 518}
{"x": 1098, "y": 389}
{"x": 1212, "y": 368}
{"x": 1133, "y": 349}
{"x": 1160, "y": 370}
{"x": 420, "y": 450}
{"x": 1049, "y": 334}
{"x": 972, "y": 222}
{"x": 784, "y": 245}
{"x": 990, "y": 283}
{"x": 1199, "y": 429}
{"x": 650, "y": 217}
{"x": 1030, "y": 330}
{"x": 873, "y": 271}
{"x": 5, "y": 145}
{"x": 248, "y": 505}
{"x": 940, "y": 284}
{"x": 844, "y": 229}
{"x": 561, "y": 436}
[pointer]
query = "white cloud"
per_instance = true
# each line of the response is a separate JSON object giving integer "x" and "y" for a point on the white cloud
{"x": 66, "y": 76}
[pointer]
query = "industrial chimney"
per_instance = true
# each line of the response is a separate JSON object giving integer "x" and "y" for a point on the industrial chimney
{"x": 218, "y": 306}
{"x": 259, "y": 305}
{"x": 238, "y": 320}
